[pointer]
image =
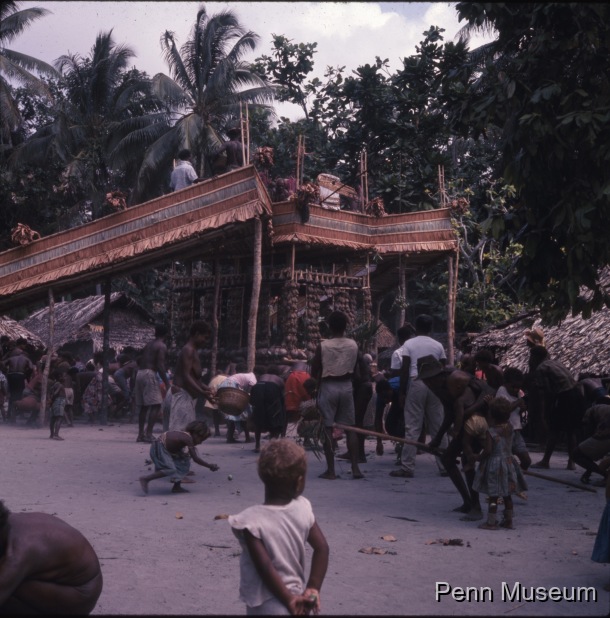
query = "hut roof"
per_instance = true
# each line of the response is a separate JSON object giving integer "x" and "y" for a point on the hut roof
{"x": 385, "y": 337}
{"x": 82, "y": 320}
{"x": 14, "y": 330}
{"x": 580, "y": 344}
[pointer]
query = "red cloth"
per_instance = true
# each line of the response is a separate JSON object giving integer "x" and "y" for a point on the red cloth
{"x": 295, "y": 391}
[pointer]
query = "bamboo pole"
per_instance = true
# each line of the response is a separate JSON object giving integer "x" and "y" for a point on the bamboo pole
{"x": 247, "y": 161}
{"x": 385, "y": 436}
{"x": 551, "y": 478}
{"x": 44, "y": 412}
{"x": 243, "y": 137}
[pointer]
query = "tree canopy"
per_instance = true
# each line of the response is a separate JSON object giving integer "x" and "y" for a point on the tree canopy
{"x": 544, "y": 84}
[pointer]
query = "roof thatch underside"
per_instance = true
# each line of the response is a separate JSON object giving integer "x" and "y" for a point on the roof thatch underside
{"x": 82, "y": 320}
{"x": 14, "y": 330}
{"x": 581, "y": 345}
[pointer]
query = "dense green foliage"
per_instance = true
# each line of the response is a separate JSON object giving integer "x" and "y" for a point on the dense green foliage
{"x": 544, "y": 84}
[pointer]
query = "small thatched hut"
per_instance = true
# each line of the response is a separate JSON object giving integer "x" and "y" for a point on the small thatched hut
{"x": 581, "y": 345}
{"x": 14, "y": 331}
{"x": 79, "y": 326}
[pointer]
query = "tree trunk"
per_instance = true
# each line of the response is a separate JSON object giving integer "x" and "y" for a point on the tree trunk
{"x": 256, "y": 289}
{"x": 105, "y": 349}
{"x": 44, "y": 412}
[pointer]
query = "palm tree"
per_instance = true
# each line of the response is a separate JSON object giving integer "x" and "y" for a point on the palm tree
{"x": 15, "y": 66}
{"x": 104, "y": 102}
{"x": 209, "y": 79}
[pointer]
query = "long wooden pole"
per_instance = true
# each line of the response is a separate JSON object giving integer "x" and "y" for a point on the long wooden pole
{"x": 214, "y": 359}
{"x": 256, "y": 290}
{"x": 106, "y": 354}
{"x": 385, "y": 436}
{"x": 450, "y": 311}
{"x": 568, "y": 483}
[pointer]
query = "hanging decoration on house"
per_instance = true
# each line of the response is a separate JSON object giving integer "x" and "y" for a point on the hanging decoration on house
{"x": 307, "y": 194}
{"x": 23, "y": 234}
{"x": 117, "y": 200}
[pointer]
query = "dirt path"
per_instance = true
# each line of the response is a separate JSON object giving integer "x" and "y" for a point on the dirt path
{"x": 166, "y": 554}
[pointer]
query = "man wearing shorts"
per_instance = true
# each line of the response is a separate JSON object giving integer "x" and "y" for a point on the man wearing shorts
{"x": 333, "y": 365}
{"x": 147, "y": 391}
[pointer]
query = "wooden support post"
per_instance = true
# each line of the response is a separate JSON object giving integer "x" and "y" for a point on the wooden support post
{"x": 214, "y": 358}
{"x": 450, "y": 311}
{"x": 44, "y": 412}
{"x": 402, "y": 291}
{"x": 105, "y": 351}
{"x": 256, "y": 289}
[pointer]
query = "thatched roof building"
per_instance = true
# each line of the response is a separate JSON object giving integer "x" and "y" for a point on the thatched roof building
{"x": 14, "y": 330}
{"x": 79, "y": 324}
{"x": 581, "y": 345}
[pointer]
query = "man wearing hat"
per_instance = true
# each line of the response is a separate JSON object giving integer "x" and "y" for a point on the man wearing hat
{"x": 420, "y": 404}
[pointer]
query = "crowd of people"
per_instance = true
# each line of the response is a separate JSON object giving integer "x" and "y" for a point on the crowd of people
{"x": 475, "y": 413}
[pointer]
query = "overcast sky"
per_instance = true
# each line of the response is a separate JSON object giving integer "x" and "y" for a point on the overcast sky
{"x": 348, "y": 34}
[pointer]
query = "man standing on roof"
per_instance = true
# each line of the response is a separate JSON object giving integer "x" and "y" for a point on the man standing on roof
{"x": 233, "y": 149}
{"x": 147, "y": 392}
{"x": 183, "y": 175}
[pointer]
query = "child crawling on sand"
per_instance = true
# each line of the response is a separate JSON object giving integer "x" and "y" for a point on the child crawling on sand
{"x": 273, "y": 536}
{"x": 172, "y": 452}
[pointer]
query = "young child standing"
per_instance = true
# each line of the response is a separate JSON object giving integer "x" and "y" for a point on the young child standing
{"x": 601, "y": 549}
{"x": 511, "y": 391}
{"x": 172, "y": 451}
{"x": 57, "y": 400}
{"x": 273, "y": 536}
{"x": 497, "y": 474}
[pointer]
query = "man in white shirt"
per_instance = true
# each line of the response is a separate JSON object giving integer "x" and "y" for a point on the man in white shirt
{"x": 420, "y": 403}
{"x": 406, "y": 331}
{"x": 183, "y": 175}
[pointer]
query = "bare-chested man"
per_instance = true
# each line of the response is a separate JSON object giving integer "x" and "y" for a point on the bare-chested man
{"x": 147, "y": 392}
{"x": 46, "y": 566}
{"x": 19, "y": 369}
{"x": 462, "y": 395}
{"x": 187, "y": 385}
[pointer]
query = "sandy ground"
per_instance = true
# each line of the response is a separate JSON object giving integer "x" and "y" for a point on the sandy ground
{"x": 167, "y": 554}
